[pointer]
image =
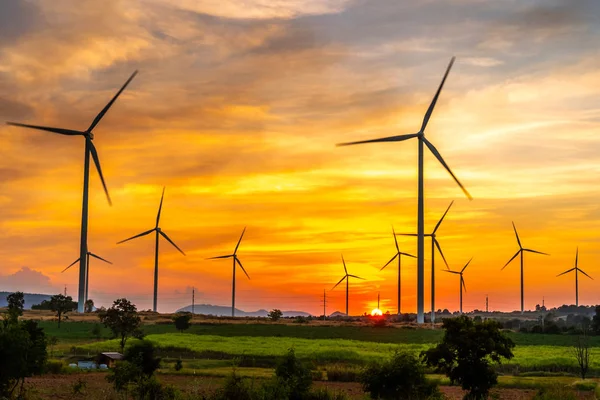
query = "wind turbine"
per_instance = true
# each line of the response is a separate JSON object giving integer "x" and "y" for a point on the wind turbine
{"x": 420, "y": 209}
{"x": 462, "y": 281}
{"x": 576, "y": 269}
{"x": 521, "y": 251}
{"x": 159, "y": 232}
{"x": 235, "y": 260}
{"x": 347, "y": 277}
{"x": 434, "y": 244}
{"x": 90, "y": 149}
{"x": 398, "y": 254}
{"x": 87, "y": 273}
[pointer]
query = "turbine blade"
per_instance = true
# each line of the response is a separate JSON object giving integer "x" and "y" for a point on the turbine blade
{"x": 450, "y": 272}
{"x": 463, "y": 283}
{"x": 583, "y": 272}
{"x": 576, "y": 256}
{"x": 357, "y": 277}
{"x": 61, "y": 131}
{"x": 344, "y": 262}
{"x": 110, "y": 103}
{"x": 513, "y": 257}
{"x": 435, "y": 98}
{"x": 214, "y": 258}
{"x": 517, "y": 235}
{"x": 437, "y": 155}
{"x": 408, "y": 234}
{"x": 241, "y": 266}
{"x": 99, "y": 169}
{"x": 137, "y": 236}
{"x": 160, "y": 207}
{"x": 566, "y": 272}
{"x": 239, "y": 241}
{"x": 70, "y": 265}
{"x": 99, "y": 258}
{"x": 397, "y": 138}
{"x": 341, "y": 280}
{"x": 388, "y": 263}
{"x": 443, "y": 216}
{"x": 170, "y": 241}
{"x": 407, "y": 255}
{"x": 437, "y": 244}
{"x": 395, "y": 240}
{"x": 465, "y": 267}
{"x": 535, "y": 251}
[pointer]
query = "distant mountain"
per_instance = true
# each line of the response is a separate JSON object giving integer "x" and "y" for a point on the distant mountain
{"x": 30, "y": 299}
{"x": 337, "y": 314}
{"x": 223, "y": 311}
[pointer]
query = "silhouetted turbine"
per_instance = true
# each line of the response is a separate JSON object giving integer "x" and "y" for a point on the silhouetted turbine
{"x": 420, "y": 209}
{"x": 521, "y": 251}
{"x": 576, "y": 269}
{"x": 87, "y": 273}
{"x": 235, "y": 260}
{"x": 159, "y": 232}
{"x": 462, "y": 282}
{"x": 347, "y": 277}
{"x": 399, "y": 255}
{"x": 89, "y": 149}
{"x": 434, "y": 244}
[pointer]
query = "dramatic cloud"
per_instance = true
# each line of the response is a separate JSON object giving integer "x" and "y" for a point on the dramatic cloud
{"x": 236, "y": 110}
{"x": 29, "y": 281}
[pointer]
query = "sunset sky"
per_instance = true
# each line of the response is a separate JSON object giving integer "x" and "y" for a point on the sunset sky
{"x": 237, "y": 109}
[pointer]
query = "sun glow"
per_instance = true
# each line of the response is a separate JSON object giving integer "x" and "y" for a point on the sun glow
{"x": 376, "y": 312}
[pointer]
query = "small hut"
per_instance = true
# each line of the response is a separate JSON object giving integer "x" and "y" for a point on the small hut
{"x": 109, "y": 358}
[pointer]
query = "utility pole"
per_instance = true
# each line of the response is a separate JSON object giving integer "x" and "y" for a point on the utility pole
{"x": 542, "y": 310}
{"x": 324, "y": 303}
{"x": 486, "y": 303}
{"x": 193, "y": 294}
{"x": 65, "y": 290}
{"x": 378, "y": 302}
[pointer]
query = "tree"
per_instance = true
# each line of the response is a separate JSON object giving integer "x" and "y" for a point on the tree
{"x": 122, "y": 319}
{"x": 402, "y": 377}
{"x": 582, "y": 354}
{"x": 465, "y": 353}
{"x": 16, "y": 304}
{"x": 275, "y": 314}
{"x": 294, "y": 375}
{"x": 182, "y": 321}
{"x": 596, "y": 321}
{"x": 61, "y": 304}
{"x": 22, "y": 354}
{"x": 88, "y": 306}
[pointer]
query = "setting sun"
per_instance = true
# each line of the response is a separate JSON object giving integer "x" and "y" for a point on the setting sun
{"x": 376, "y": 312}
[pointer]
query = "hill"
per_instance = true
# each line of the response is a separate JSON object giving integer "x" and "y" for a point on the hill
{"x": 223, "y": 311}
{"x": 30, "y": 299}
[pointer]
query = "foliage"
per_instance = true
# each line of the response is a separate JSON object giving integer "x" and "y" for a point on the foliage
{"x": 122, "y": 319}
{"x": 52, "y": 341}
{"x": 143, "y": 355}
{"x": 54, "y": 367}
{"x": 295, "y": 375}
{"x": 596, "y": 321}
{"x": 178, "y": 365}
{"x": 300, "y": 319}
{"x": 582, "y": 354}
{"x": 182, "y": 321}
{"x": 96, "y": 331}
{"x": 16, "y": 304}
{"x": 555, "y": 393}
{"x": 275, "y": 314}
{"x": 343, "y": 373}
{"x": 88, "y": 306}
{"x": 465, "y": 353}
{"x": 401, "y": 377}
{"x": 79, "y": 386}
{"x": 22, "y": 354}
{"x": 61, "y": 304}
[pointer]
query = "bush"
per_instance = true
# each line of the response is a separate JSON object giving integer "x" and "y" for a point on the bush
{"x": 182, "y": 321}
{"x": 152, "y": 389}
{"x": 402, "y": 377}
{"x": 301, "y": 320}
{"x": 54, "y": 367}
{"x": 275, "y": 314}
{"x": 295, "y": 375}
{"x": 79, "y": 386}
{"x": 585, "y": 386}
{"x": 342, "y": 373}
{"x": 234, "y": 388}
{"x": 178, "y": 365}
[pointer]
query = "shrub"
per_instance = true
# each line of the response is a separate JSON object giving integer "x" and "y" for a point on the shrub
{"x": 152, "y": 389}
{"x": 402, "y": 377}
{"x": 182, "y": 321}
{"x": 79, "y": 386}
{"x": 585, "y": 386}
{"x": 178, "y": 365}
{"x": 342, "y": 373}
{"x": 295, "y": 375}
{"x": 234, "y": 388}
{"x": 555, "y": 393}
{"x": 275, "y": 314}
{"x": 301, "y": 320}
{"x": 54, "y": 367}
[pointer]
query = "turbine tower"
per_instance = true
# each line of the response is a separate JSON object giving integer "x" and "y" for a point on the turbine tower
{"x": 421, "y": 196}
{"x": 347, "y": 277}
{"x": 398, "y": 254}
{"x": 521, "y": 252}
{"x": 90, "y": 149}
{"x": 159, "y": 232}
{"x": 576, "y": 269}
{"x": 87, "y": 273}
{"x": 434, "y": 244}
{"x": 462, "y": 281}
{"x": 235, "y": 260}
